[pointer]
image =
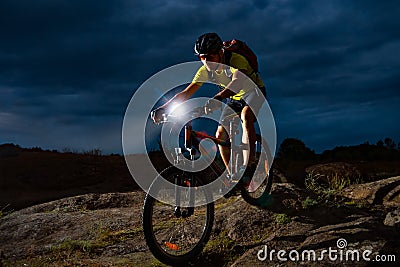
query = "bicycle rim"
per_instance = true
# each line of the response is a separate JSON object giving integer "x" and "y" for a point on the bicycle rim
{"x": 256, "y": 190}
{"x": 176, "y": 240}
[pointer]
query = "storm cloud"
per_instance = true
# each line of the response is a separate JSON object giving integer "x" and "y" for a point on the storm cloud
{"x": 69, "y": 68}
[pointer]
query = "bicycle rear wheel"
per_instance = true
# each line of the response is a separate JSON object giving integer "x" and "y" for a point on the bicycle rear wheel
{"x": 173, "y": 238}
{"x": 256, "y": 190}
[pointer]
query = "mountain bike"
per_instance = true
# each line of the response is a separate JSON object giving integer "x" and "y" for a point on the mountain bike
{"x": 177, "y": 232}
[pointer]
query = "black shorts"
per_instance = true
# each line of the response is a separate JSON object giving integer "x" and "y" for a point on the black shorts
{"x": 252, "y": 99}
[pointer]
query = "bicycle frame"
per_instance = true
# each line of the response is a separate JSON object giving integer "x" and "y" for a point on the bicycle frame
{"x": 191, "y": 135}
{"x": 193, "y": 138}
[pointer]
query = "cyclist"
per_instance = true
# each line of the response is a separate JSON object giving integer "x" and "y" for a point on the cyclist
{"x": 235, "y": 87}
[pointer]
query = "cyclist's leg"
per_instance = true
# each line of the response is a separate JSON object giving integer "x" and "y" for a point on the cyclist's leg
{"x": 224, "y": 151}
{"x": 232, "y": 107}
{"x": 248, "y": 136}
{"x": 248, "y": 117}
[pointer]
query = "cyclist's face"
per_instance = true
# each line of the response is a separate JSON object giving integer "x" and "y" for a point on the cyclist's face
{"x": 210, "y": 61}
{"x": 210, "y": 57}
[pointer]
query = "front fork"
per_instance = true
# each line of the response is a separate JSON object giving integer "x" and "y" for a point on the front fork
{"x": 186, "y": 182}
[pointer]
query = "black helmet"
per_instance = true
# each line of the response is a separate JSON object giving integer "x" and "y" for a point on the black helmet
{"x": 208, "y": 43}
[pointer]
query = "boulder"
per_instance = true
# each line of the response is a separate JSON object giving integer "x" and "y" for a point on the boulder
{"x": 393, "y": 219}
{"x": 384, "y": 192}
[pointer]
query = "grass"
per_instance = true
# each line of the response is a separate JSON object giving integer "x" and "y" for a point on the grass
{"x": 220, "y": 243}
{"x": 327, "y": 190}
{"x": 308, "y": 203}
{"x": 70, "y": 245}
{"x": 281, "y": 218}
{"x": 120, "y": 235}
{"x": 157, "y": 263}
{"x": 261, "y": 236}
{"x": 222, "y": 203}
{"x": 103, "y": 238}
{"x": 222, "y": 246}
{"x": 76, "y": 252}
{"x": 358, "y": 204}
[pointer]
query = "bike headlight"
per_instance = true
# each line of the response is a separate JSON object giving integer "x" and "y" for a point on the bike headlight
{"x": 178, "y": 110}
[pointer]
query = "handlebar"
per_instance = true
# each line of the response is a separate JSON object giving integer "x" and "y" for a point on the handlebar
{"x": 194, "y": 113}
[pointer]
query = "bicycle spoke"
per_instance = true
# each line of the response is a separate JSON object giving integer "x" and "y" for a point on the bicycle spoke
{"x": 177, "y": 235}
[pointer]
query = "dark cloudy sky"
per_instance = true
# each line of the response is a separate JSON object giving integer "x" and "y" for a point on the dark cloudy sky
{"x": 69, "y": 68}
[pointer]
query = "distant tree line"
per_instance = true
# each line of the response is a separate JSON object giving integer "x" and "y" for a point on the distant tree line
{"x": 291, "y": 149}
{"x": 10, "y": 149}
{"x": 295, "y": 149}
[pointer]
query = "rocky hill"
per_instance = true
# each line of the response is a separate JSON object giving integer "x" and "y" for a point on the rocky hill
{"x": 105, "y": 229}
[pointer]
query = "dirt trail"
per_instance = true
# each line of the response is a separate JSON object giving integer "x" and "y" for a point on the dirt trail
{"x": 105, "y": 229}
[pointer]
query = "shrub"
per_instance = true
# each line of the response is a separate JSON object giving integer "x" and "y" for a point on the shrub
{"x": 308, "y": 203}
{"x": 281, "y": 218}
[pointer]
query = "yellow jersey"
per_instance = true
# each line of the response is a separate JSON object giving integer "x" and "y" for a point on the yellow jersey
{"x": 223, "y": 78}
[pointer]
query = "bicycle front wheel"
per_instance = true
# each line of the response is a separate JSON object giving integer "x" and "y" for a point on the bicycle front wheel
{"x": 177, "y": 235}
{"x": 255, "y": 191}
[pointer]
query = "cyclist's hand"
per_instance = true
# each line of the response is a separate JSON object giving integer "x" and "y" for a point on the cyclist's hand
{"x": 157, "y": 115}
{"x": 213, "y": 104}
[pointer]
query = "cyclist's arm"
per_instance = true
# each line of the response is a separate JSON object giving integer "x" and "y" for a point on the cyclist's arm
{"x": 238, "y": 78}
{"x": 183, "y": 95}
